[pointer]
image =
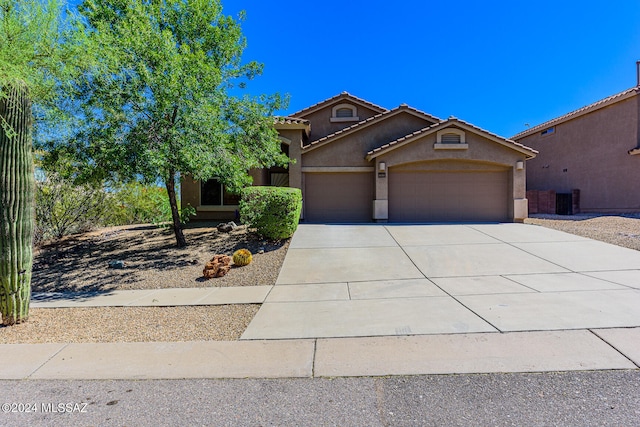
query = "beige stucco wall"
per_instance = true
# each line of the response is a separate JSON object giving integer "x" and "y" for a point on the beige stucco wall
{"x": 482, "y": 154}
{"x": 593, "y": 150}
{"x": 351, "y": 150}
{"x": 189, "y": 191}
{"x": 296, "y": 138}
{"x": 321, "y": 124}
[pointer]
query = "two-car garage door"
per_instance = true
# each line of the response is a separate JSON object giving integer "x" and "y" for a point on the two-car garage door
{"x": 446, "y": 196}
{"x": 414, "y": 196}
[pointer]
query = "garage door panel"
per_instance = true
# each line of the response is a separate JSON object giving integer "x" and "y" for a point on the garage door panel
{"x": 448, "y": 196}
{"x": 338, "y": 197}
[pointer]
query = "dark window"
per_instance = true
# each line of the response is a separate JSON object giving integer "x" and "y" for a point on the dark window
{"x": 344, "y": 112}
{"x": 212, "y": 193}
{"x": 548, "y": 131}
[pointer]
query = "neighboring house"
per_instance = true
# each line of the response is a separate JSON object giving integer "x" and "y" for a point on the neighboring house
{"x": 592, "y": 153}
{"x": 358, "y": 162}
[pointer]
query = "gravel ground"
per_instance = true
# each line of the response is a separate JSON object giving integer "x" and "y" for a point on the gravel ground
{"x": 131, "y": 324}
{"x": 152, "y": 260}
{"x": 621, "y": 230}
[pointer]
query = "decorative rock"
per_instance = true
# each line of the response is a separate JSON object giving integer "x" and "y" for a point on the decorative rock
{"x": 116, "y": 264}
{"x": 217, "y": 267}
{"x": 227, "y": 227}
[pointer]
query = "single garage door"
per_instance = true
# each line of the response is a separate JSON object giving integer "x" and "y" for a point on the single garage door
{"x": 429, "y": 196}
{"x": 338, "y": 197}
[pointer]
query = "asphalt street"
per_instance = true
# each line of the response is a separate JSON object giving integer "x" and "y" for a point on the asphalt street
{"x": 590, "y": 398}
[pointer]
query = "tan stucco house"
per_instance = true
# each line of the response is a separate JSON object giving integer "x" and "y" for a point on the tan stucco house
{"x": 359, "y": 162}
{"x": 592, "y": 153}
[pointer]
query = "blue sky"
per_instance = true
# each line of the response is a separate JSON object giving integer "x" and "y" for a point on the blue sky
{"x": 496, "y": 64}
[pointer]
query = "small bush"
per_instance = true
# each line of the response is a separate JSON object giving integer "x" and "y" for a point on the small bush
{"x": 137, "y": 203}
{"x": 273, "y": 211}
{"x": 63, "y": 208}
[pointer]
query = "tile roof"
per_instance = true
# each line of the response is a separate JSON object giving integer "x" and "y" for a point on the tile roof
{"x": 377, "y": 117}
{"x": 282, "y": 120}
{"x": 443, "y": 124}
{"x": 343, "y": 95}
{"x": 404, "y": 138}
{"x": 580, "y": 111}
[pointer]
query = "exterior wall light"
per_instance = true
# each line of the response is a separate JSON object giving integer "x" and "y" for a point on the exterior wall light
{"x": 519, "y": 165}
{"x": 382, "y": 166}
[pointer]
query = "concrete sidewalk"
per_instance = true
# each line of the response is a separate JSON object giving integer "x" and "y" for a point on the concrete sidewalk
{"x": 360, "y": 300}
{"x": 153, "y": 298}
{"x": 603, "y": 349}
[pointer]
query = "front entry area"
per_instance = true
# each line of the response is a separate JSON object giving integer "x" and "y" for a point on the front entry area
{"x": 448, "y": 196}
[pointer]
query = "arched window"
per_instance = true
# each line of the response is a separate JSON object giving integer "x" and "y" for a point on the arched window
{"x": 344, "y": 113}
{"x": 451, "y": 139}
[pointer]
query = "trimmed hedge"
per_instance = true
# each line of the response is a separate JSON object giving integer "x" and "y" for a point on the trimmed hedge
{"x": 273, "y": 211}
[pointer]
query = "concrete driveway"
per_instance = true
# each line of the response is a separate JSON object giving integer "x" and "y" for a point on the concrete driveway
{"x": 385, "y": 280}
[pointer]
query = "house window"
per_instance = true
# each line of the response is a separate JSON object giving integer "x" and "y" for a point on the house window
{"x": 548, "y": 131}
{"x": 213, "y": 193}
{"x": 450, "y": 138}
{"x": 344, "y": 113}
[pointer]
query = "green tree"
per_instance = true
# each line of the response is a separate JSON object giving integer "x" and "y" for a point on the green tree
{"x": 163, "y": 99}
{"x": 35, "y": 55}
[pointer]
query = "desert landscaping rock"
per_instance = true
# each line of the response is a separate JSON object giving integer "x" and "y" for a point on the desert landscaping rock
{"x": 116, "y": 264}
{"x": 228, "y": 227}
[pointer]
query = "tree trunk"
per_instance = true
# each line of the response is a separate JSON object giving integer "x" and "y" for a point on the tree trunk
{"x": 16, "y": 204}
{"x": 175, "y": 215}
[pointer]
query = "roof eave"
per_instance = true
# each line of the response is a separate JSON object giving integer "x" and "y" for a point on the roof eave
{"x": 295, "y": 124}
{"x": 344, "y": 95}
{"x": 605, "y": 102}
{"x": 529, "y": 152}
{"x": 368, "y": 122}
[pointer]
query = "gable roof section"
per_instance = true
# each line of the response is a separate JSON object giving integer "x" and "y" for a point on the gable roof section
{"x": 281, "y": 122}
{"x": 368, "y": 122}
{"x": 581, "y": 111}
{"x": 340, "y": 97}
{"x": 407, "y": 139}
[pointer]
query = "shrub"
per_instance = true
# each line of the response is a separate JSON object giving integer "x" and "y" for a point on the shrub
{"x": 63, "y": 208}
{"x": 273, "y": 211}
{"x": 137, "y": 203}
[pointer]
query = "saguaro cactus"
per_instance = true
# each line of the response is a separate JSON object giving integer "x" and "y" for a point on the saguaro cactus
{"x": 16, "y": 203}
